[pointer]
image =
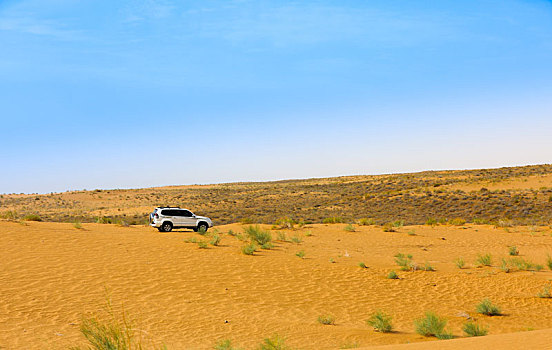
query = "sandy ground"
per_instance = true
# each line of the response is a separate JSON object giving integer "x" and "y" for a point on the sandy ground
{"x": 52, "y": 274}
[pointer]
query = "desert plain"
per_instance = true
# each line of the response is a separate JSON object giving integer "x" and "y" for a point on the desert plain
{"x": 180, "y": 290}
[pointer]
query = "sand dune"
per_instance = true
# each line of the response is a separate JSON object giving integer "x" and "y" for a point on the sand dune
{"x": 51, "y": 274}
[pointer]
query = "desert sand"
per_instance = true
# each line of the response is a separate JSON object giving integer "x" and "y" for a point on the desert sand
{"x": 53, "y": 274}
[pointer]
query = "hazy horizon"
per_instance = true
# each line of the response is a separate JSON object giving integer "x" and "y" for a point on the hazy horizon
{"x": 93, "y": 95}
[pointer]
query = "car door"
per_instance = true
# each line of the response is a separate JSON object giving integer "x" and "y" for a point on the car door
{"x": 172, "y": 216}
{"x": 188, "y": 218}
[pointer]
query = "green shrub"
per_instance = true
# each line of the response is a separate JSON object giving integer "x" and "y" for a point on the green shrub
{"x": 333, "y": 220}
{"x": 430, "y": 325}
{"x": 398, "y": 224}
{"x": 231, "y": 233}
{"x": 405, "y": 262}
{"x": 258, "y": 235}
{"x": 104, "y": 220}
{"x": 349, "y": 228}
{"x": 215, "y": 240}
{"x": 249, "y": 249}
{"x": 31, "y": 217}
{"x": 457, "y": 222}
{"x": 296, "y": 239}
{"x": 366, "y": 222}
{"x": 484, "y": 260}
{"x": 445, "y": 335}
{"x": 428, "y": 267}
{"x": 77, "y": 225}
{"x": 545, "y": 293}
{"x": 267, "y": 246}
{"x": 381, "y": 322}
{"x": 326, "y": 320}
{"x": 225, "y": 345}
{"x": 388, "y": 227}
{"x": 549, "y": 261}
{"x": 431, "y": 222}
{"x": 247, "y": 221}
{"x": 513, "y": 251}
{"x": 460, "y": 263}
{"x": 411, "y": 233}
{"x": 9, "y": 215}
{"x": 300, "y": 254}
{"x": 392, "y": 275}
{"x": 486, "y": 307}
{"x": 308, "y": 233}
{"x": 273, "y": 343}
{"x": 202, "y": 245}
{"x": 285, "y": 223}
{"x": 362, "y": 265}
{"x": 505, "y": 266}
{"x": 473, "y": 329}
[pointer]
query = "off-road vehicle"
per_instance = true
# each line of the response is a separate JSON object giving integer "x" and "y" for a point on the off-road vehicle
{"x": 167, "y": 218}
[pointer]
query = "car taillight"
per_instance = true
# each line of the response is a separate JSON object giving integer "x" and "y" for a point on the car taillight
{"x": 157, "y": 216}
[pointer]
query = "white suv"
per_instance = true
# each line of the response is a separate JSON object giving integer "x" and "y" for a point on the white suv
{"x": 167, "y": 218}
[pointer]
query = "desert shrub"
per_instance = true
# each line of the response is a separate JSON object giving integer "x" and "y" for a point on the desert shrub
{"x": 258, "y": 235}
{"x": 225, "y": 345}
{"x": 460, "y": 263}
{"x": 104, "y": 220}
{"x": 430, "y": 325}
{"x": 545, "y": 293}
{"x": 215, "y": 240}
{"x": 77, "y": 225}
{"x": 445, "y": 335}
{"x": 504, "y": 223}
{"x": 231, "y": 233}
{"x": 522, "y": 264}
{"x": 273, "y": 343}
{"x": 333, "y": 220}
{"x": 308, "y": 233}
{"x": 513, "y": 251}
{"x": 473, "y": 329}
{"x": 366, "y": 222}
{"x": 431, "y": 222}
{"x": 411, "y": 233}
{"x": 480, "y": 221}
{"x": 9, "y": 215}
{"x": 247, "y": 221}
{"x": 405, "y": 262}
{"x": 285, "y": 223}
{"x": 505, "y": 266}
{"x": 484, "y": 260}
{"x": 202, "y": 245}
{"x": 300, "y": 254}
{"x": 362, "y": 265}
{"x": 388, "y": 227}
{"x": 267, "y": 246}
{"x": 282, "y": 237}
{"x": 392, "y": 275}
{"x": 249, "y": 249}
{"x": 549, "y": 261}
{"x": 486, "y": 307}
{"x": 428, "y": 267}
{"x": 31, "y": 217}
{"x": 326, "y": 319}
{"x": 398, "y": 224}
{"x": 349, "y": 228}
{"x": 296, "y": 239}
{"x": 457, "y": 222}
{"x": 381, "y": 322}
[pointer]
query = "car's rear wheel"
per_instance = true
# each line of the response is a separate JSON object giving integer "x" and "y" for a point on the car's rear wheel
{"x": 202, "y": 227}
{"x": 166, "y": 227}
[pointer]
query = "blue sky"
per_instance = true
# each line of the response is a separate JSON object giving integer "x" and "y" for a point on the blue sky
{"x": 119, "y": 94}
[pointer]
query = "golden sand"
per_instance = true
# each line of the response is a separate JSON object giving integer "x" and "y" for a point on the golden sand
{"x": 52, "y": 274}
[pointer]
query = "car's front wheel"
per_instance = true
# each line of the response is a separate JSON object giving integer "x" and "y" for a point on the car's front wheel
{"x": 202, "y": 227}
{"x": 166, "y": 227}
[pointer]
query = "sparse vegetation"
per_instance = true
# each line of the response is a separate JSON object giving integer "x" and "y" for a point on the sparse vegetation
{"x": 296, "y": 239}
{"x": 431, "y": 325}
{"x": 258, "y": 235}
{"x": 349, "y": 228}
{"x": 484, "y": 260}
{"x": 366, "y": 222}
{"x": 326, "y": 320}
{"x": 249, "y": 249}
{"x": 381, "y": 322}
{"x": 225, "y": 345}
{"x": 513, "y": 251}
{"x": 215, "y": 240}
{"x": 549, "y": 261}
{"x": 285, "y": 223}
{"x": 388, "y": 227}
{"x": 486, "y": 307}
{"x": 333, "y": 220}
{"x": 300, "y": 254}
{"x": 273, "y": 343}
{"x": 31, "y": 217}
{"x": 460, "y": 263}
{"x": 77, "y": 225}
{"x": 392, "y": 275}
{"x": 545, "y": 293}
{"x": 202, "y": 245}
{"x": 473, "y": 329}
{"x": 457, "y": 222}
{"x": 405, "y": 262}
{"x": 362, "y": 265}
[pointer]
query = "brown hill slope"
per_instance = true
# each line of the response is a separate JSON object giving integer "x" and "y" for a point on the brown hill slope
{"x": 519, "y": 194}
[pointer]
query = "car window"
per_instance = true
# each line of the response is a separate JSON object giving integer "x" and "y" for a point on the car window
{"x": 186, "y": 213}
{"x": 168, "y": 212}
